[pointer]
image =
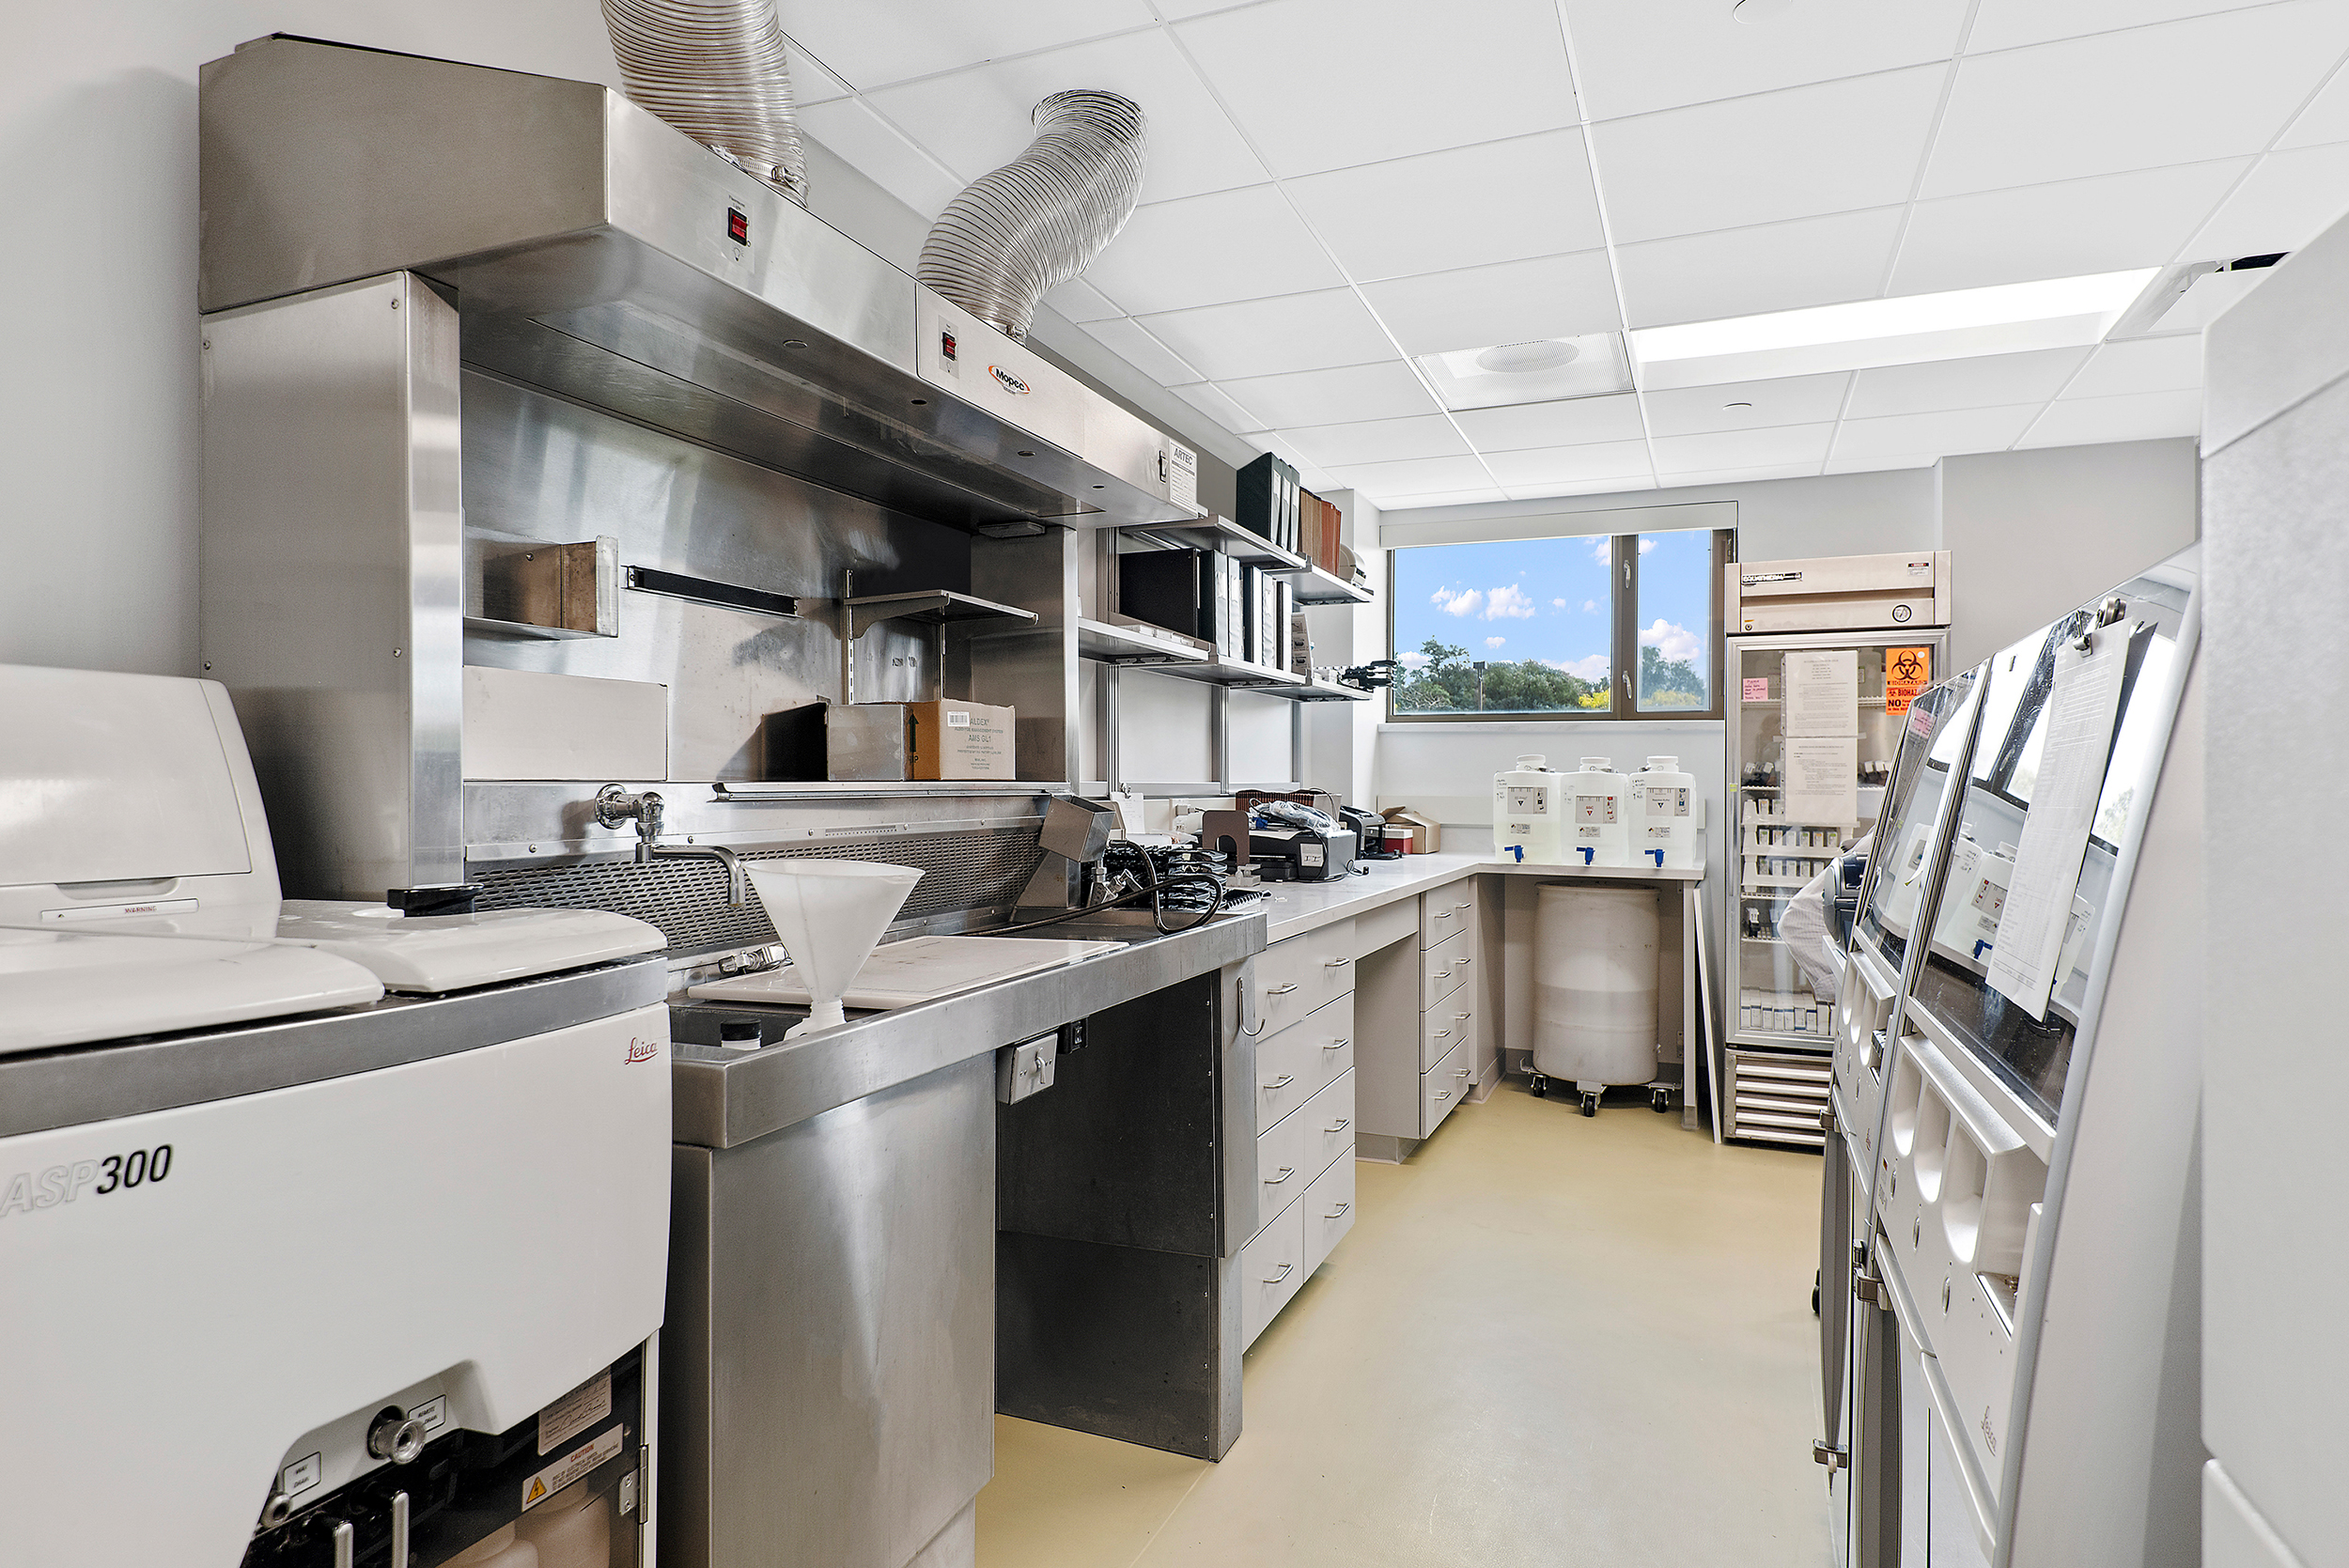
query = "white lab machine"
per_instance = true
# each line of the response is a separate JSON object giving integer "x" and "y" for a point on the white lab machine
{"x": 341, "y": 1234}
{"x": 2033, "y": 1256}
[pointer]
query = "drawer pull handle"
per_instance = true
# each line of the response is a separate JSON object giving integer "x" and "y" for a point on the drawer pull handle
{"x": 1443, "y": 1034}
{"x": 1441, "y": 974}
{"x": 1339, "y": 1213}
{"x": 1286, "y": 1171}
{"x": 1342, "y": 1124}
{"x": 1281, "y": 1082}
{"x": 1463, "y": 963}
{"x": 1462, "y": 1072}
{"x": 1337, "y": 1045}
{"x": 1335, "y": 963}
{"x": 1443, "y": 1094}
{"x": 1281, "y": 990}
{"x": 1286, "y": 1269}
{"x": 1460, "y": 905}
{"x": 1459, "y": 1017}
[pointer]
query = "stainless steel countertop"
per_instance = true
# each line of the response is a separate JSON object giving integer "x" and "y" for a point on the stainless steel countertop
{"x": 1301, "y": 906}
{"x": 723, "y": 1098}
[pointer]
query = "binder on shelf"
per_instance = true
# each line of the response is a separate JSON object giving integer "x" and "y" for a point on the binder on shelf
{"x": 1162, "y": 587}
{"x": 1267, "y": 500}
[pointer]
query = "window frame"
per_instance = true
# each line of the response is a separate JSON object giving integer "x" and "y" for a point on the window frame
{"x": 1623, "y": 645}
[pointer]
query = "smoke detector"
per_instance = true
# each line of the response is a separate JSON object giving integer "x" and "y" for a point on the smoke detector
{"x": 1528, "y": 359}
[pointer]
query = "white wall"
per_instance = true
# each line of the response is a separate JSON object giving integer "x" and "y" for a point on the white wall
{"x": 2030, "y": 535}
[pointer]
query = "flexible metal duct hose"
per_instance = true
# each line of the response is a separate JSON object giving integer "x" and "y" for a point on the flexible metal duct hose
{"x": 715, "y": 70}
{"x": 1037, "y": 222}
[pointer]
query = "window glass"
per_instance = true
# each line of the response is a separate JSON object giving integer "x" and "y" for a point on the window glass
{"x": 1675, "y": 620}
{"x": 1523, "y": 627}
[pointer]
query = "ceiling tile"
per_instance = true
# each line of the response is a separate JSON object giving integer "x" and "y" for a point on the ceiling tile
{"x": 1787, "y": 443}
{"x": 1878, "y": 465}
{"x": 2066, "y": 229}
{"x": 1577, "y": 421}
{"x": 2288, "y": 199}
{"x": 2183, "y": 92}
{"x": 1418, "y": 477}
{"x": 2138, "y": 416}
{"x": 1584, "y": 487}
{"x": 1213, "y": 402}
{"x": 882, "y": 154}
{"x": 1264, "y": 337}
{"x": 1370, "y": 440}
{"x": 1664, "y": 54}
{"x": 2011, "y": 23}
{"x": 979, "y": 119}
{"x": 871, "y": 46}
{"x": 1737, "y": 476}
{"x": 1323, "y": 83}
{"x": 1983, "y": 382}
{"x": 810, "y": 82}
{"x": 1177, "y": 254}
{"x": 1750, "y": 271}
{"x": 1441, "y": 498}
{"x": 2145, "y": 365}
{"x": 1129, "y": 341}
{"x": 1790, "y": 154}
{"x": 1441, "y": 211}
{"x": 1513, "y": 302}
{"x": 1746, "y": 405}
{"x": 1307, "y": 398}
{"x": 1079, "y": 302}
{"x": 1611, "y": 461}
{"x": 1952, "y": 430}
{"x": 2326, "y": 120}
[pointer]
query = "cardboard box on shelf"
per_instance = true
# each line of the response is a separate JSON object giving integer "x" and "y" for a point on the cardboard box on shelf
{"x": 948, "y": 740}
{"x": 1426, "y": 837}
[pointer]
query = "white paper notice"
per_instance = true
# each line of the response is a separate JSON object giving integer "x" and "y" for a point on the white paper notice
{"x": 1822, "y": 692}
{"x": 1822, "y": 779}
{"x": 2077, "y": 727}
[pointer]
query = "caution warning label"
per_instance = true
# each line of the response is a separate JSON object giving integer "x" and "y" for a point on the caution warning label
{"x": 1906, "y": 672}
{"x": 538, "y": 1488}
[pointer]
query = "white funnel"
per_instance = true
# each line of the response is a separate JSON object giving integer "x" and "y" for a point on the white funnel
{"x": 830, "y": 914}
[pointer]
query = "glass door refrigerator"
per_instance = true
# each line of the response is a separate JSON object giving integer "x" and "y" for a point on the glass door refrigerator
{"x": 1816, "y": 714}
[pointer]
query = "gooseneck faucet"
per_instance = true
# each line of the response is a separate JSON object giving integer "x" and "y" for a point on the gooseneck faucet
{"x": 615, "y": 805}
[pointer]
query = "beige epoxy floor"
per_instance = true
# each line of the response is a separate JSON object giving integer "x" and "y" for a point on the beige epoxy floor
{"x": 1547, "y": 1341}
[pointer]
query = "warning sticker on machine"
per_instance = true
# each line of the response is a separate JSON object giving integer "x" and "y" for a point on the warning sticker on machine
{"x": 575, "y": 1412}
{"x": 538, "y": 1488}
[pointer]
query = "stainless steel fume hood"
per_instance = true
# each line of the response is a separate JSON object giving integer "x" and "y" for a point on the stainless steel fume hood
{"x": 595, "y": 252}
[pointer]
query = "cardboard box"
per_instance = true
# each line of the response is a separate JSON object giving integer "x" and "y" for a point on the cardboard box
{"x": 1426, "y": 837}
{"x": 948, "y": 740}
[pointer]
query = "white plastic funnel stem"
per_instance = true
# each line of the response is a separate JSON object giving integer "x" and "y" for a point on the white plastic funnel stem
{"x": 829, "y": 915}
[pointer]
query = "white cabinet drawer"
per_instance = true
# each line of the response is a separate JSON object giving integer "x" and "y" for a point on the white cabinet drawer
{"x": 1332, "y": 1031}
{"x": 1296, "y": 976}
{"x": 1386, "y": 926}
{"x": 1329, "y": 1119}
{"x": 1445, "y": 968}
{"x": 1449, "y": 1023}
{"x": 1271, "y": 1267}
{"x": 1284, "y": 1164}
{"x": 1288, "y": 1072}
{"x": 1329, "y": 1211}
{"x": 1446, "y": 913}
{"x": 1440, "y": 1088}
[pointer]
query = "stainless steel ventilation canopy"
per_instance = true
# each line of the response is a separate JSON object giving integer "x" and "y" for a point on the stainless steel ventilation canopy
{"x": 595, "y": 252}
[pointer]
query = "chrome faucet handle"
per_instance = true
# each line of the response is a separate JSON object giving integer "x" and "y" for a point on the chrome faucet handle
{"x": 615, "y": 805}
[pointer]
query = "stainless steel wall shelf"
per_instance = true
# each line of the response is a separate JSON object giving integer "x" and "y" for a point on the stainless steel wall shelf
{"x": 483, "y": 626}
{"x": 1233, "y": 672}
{"x": 1105, "y": 643}
{"x": 931, "y": 606}
{"x": 1316, "y": 586}
{"x": 1244, "y": 545}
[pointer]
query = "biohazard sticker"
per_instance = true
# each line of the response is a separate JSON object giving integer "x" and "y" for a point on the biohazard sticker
{"x": 538, "y": 1488}
{"x": 1906, "y": 672}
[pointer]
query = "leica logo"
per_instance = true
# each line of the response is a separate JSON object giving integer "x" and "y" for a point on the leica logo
{"x": 1010, "y": 382}
{"x": 643, "y": 1051}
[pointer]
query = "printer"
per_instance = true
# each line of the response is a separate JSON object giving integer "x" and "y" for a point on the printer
{"x": 1294, "y": 843}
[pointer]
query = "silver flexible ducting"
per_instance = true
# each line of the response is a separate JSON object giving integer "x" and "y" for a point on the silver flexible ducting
{"x": 1040, "y": 219}
{"x": 715, "y": 70}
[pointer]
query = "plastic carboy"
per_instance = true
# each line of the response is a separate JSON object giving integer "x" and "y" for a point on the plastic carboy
{"x": 1529, "y": 814}
{"x": 1598, "y": 814}
{"x": 1664, "y": 815}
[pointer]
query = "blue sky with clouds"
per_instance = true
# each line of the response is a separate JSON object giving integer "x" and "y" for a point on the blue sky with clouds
{"x": 1547, "y": 598}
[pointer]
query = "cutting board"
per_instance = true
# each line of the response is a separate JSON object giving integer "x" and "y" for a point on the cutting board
{"x": 919, "y": 970}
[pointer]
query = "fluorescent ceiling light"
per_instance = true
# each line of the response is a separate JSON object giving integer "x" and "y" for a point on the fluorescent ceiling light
{"x": 2059, "y": 313}
{"x": 1545, "y": 370}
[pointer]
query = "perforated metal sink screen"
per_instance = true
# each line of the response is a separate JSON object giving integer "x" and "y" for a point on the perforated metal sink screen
{"x": 686, "y": 899}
